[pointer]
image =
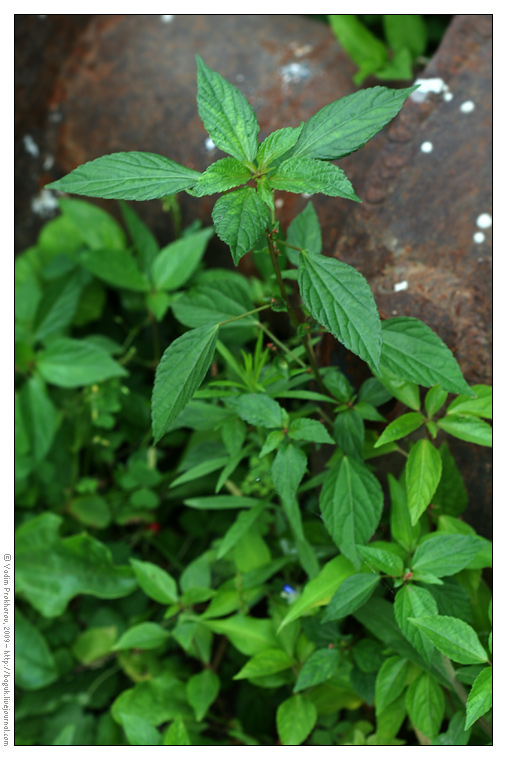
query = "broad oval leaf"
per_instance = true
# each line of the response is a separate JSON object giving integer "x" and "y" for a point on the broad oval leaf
{"x": 309, "y": 175}
{"x": 480, "y": 699}
{"x": 390, "y": 682}
{"x": 453, "y": 637}
{"x": 319, "y": 667}
{"x": 338, "y": 297}
{"x": 143, "y": 636}
{"x": 35, "y": 666}
{"x": 295, "y": 719}
{"x": 446, "y": 554}
{"x": 412, "y": 601}
{"x": 422, "y": 475}
{"x": 176, "y": 735}
{"x": 309, "y": 430}
{"x": 265, "y": 663}
{"x": 411, "y": 350}
{"x": 240, "y": 218}
{"x": 352, "y": 594}
{"x": 467, "y": 427}
{"x": 426, "y": 705}
{"x": 202, "y": 690}
{"x": 132, "y": 176}
{"x": 155, "y": 581}
{"x": 351, "y": 502}
{"x": 400, "y": 427}
{"x": 179, "y": 374}
{"x": 71, "y": 363}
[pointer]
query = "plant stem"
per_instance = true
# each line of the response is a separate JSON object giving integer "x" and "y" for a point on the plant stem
{"x": 281, "y": 345}
{"x": 246, "y": 314}
{"x": 462, "y": 693}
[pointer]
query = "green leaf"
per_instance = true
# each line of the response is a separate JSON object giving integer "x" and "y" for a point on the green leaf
{"x": 240, "y": 218}
{"x": 382, "y": 561}
{"x": 467, "y": 427}
{"x": 257, "y": 409}
{"x": 453, "y": 637}
{"x": 144, "y": 240}
{"x": 304, "y": 232}
{"x": 480, "y": 699}
{"x": 155, "y": 582}
{"x": 226, "y": 114}
{"x": 71, "y": 363}
{"x": 405, "y": 30}
{"x": 367, "y": 52}
{"x": 249, "y": 635}
{"x": 58, "y": 305}
{"x": 132, "y": 176}
{"x": 451, "y": 495}
{"x": 176, "y": 735}
{"x": 94, "y": 644}
{"x": 309, "y": 430}
{"x": 352, "y": 594}
{"x": 215, "y": 303}
{"x": 407, "y": 393}
{"x": 221, "y": 176}
{"x": 272, "y": 442}
{"x": 92, "y": 510}
{"x": 139, "y": 732}
{"x": 319, "y": 667}
{"x": 50, "y": 570}
{"x": 390, "y": 682}
{"x": 309, "y": 175}
{"x": 179, "y": 374}
{"x": 97, "y": 228}
{"x": 351, "y": 502}
{"x": 295, "y": 719}
{"x": 288, "y": 469}
{"x": 435, "y": 399}
{"x": 412, "y": 601}
{"x": 339, "y": 298}
{"x": 411, "y": 350}
{"x": 35, "y": 666}
{"x": 347, "y": 124}
{"x": 400, "y": 427}
{"x": 221, "y": 502}
{"x": 143, "y": 636}
{"x": 445, "y": 554}
{"x": 319, "y": 591}
{"x": 423, "y": 471}
{"x": 177, "y": 262}
{"x": 156, "y": 700}
{"x": 348, "y": 430}
{"x": 276, "y": 144}
{"x": 202, "y": 690}
{"x": 402, "y": 529}
{"x": 116, "y": 268}
{"x": 39, "y": 416}
{"x": 239, "y": 528}
{"x": 426, "y": 705}
{"x": 265, "y": 663}
{"x": 456, "y": 735}
{"x": 481, "y": 406}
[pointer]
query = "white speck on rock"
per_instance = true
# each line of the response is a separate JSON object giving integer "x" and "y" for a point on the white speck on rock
{"x": 447, "y": 96}
{"x": 279, "y": 203}
{"x": 210, "y": 145}
{"x": 240, "y": 78}
{"x": 309, "y": 195}
{"x": 48, "y": 162}
{"x": 44, "y": 204}
{"x": 484, "y": 221}
{"x": 295, "y": 72}
{"x": 435, "y": 85}
{"x": 427, "y": 147}
{"x": 55, "y": 117}
{"x": 400, "y": 286}
{"x": 467, "y": 107}
{"x": 31, "y": 146}
{"x": 394, "y": 311}
{"x": 166, "y": 19}
{"x": 299, "y": 52}
{"x": 479, "y": 237}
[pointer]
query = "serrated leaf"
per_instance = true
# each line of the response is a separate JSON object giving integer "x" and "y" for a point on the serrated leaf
{"x": 412, "y": 601}
{"x": 214, "y": 303}
{"x": 202, "y": 690}
{"x": 240, "y": 218}
{"x": 58, "y": 305}
{"x": 304, "y": 232}
{"x": 221, "y": 176}
{"x": 422, "y": 475}
{"x": 71, "y": 363}
{"x": 177, "y": 262}
{"x": 467, "y": 427}
{"x": 320, "y": 590}
{"x": 480, "y": 699}
{"x": 402, "y": 529}
{"x": 453, "y": 637}
{"x": 390, "y": 682}
{"x": 248, "y": 635}
{"x": 176, "y": 735}
{"x": 451, "y": 495}
{"x": 35, "y": 666}
{"x": 155, "y": 582}
{"x": 226, "y": 114}
{"x": 257, "y": 409}
{"x": 411, "y": 350}
{"x": 348, "y": 430}
{"x": 381, "y": 560}
{"x": 435, "y": 399}
{"x": 344, "y": 126}
{"x": 239, "y": 528}
{"x": 295, "y": 718}
{"x": 132, "y": 176}
{"x": 145, "y": 242}
{"x": 407, "y": 393}
{"x": 265, "y": 663}
{"x": 39, "y": 417}
{"x": 481, "y": 406}
{"x": 351, "y": 502}
{"x": 179, "y": 374}
{"x": 116, "y": 268}
{"x": 426, "y": 705}
{"x": 339, "y": 298}
{"x": 309, "y": 175}
{"x": 352, "y": 594}
{"x": 276, "y": 144}
{"x": 309, "y": 430}
{"x": 400, "y": 427}
{"x": 368, "y": 52}
{"x": 318, "y": 668}
{"x": 143, "y": 636}
{"x": 445, "y": 554}
{"x": 139, "y": 732}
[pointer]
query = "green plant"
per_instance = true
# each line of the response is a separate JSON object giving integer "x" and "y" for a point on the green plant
{"x": 256, "y": 589}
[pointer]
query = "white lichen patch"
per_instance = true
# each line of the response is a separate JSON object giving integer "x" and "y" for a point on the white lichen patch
{"x": 48, "y": 162}
{"x": 209, "y": 144}
{"x": 400, "y": 286}
{"x": 467, "y": 107}
{"x": 44, "y": 204}
{"x": 307, "y": 195}
{"x": 447, "y": 96}
{"x": 427, "y": 147}
{"x": 240, "y": 78}
{"x": 295, "y": 72}
{"x": 426, "y": 86}
{"x": 166, "y": 19}
{"x": 31, "y": 146}
{"x": 278, "y": 203}
{"x": 55, "y": 117}
{"x": 299, "y": 52}
{"x": 479, "y": 237}
{"x": 484, "y": 221}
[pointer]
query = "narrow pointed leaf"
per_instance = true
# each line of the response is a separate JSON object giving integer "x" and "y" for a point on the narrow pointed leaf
{"x": 176, "y": 735}
{"x": 481, "y": 406}
{"x": 240, "y": 526}
{"x": 453, "y": 637}
{"x": 221, "y": 176}
{"x": 480, "y": 699}
{"x": 179, "y": 374}
{"x": 155, "y": 581}
{"x": 202, "y": 690}
{"x": 412, "y": 601}
{"x": 423, "y": 471}
{"x": 467, "y": 427}
{"x": 304, "y": 232}
{"x": 309, "y": 430}
{"x": 352, "y": 594}
{"x": 308, "y": 175}
{"x": 257, "y": 409}
{"x": 338, "y": 297}
{"x": 444, "y": 555}
{"x": 264, "y": 664}
{"x": 402, "y": 529}
{"x": 143, "y": 636}
{"x": 35, "y": 666}
{"x": 71, "y": 363}
{"x": 390, "y": 682}
{"x": 426, "y": 705}
{"x": 276, "y": 144}
{"x": 214, "y": 303}
{"x": 401, "y": 427}
{"x": 240, "y": 218}
{"x": 319, "y": 667}
{"x": 295, "y": 719}
{"x": 177, "y": 262}
{"x": 116, "y": 268}
{"x": 130, "y": 176}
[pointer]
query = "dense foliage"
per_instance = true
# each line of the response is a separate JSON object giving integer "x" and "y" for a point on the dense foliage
{"x": 239, "y": 573}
